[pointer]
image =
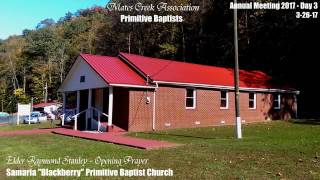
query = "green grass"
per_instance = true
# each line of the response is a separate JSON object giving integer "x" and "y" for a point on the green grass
{"x": 271, "y": 150}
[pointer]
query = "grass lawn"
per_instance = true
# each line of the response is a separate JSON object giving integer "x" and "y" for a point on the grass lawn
{"x": 271, "y": 150}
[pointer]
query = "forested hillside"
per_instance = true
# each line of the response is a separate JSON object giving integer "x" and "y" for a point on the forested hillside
{"x": 273, "y": 41}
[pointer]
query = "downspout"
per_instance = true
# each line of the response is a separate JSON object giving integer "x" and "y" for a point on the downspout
{"x": 154, "y": 108}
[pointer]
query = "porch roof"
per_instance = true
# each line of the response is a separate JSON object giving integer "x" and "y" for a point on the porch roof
{"x": 113, "y": 70}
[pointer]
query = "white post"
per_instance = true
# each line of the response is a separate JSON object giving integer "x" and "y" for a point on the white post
{"x": 63, "y": 118}
{"x": 18, "y": 114}
{"x": 63, "y": 107}
{"x": 99, "y": 119}
{"x": 75, "y": 123}
{"x": 78, "y": 102}
{"x": 238, "y": 126}
{"x": 30, "y": 114}
{"x": 110, "y": 106}
{"x": 18, "y": 118}
{"x": 89, "y": 107}
{"x": 154, "y": 111}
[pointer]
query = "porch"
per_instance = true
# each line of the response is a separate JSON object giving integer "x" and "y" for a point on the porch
{"x": 94, "y": 109}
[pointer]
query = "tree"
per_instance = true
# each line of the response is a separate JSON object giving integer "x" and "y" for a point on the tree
{"x": 45, "y": 23}
{"x": 45, "y": 54}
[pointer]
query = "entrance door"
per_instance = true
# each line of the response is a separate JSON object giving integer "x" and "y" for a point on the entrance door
{"x": 83, "y": 106}
{"x": 97, "y": 102}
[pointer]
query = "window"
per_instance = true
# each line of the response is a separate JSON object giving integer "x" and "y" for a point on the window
{"x": 224, "y": 98}
{"x": 82, "y": 79}
{"x": 277, "y": 101}
{"x": 190, "y": 98}
{"x": 252, "y": 100}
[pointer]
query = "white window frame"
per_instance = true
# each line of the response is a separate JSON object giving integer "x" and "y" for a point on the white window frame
{"x": 254, "y": 101}
{"x": 227, "y": 100}
{"x": 194, "y": 98}
{"x": 278, "y": 99}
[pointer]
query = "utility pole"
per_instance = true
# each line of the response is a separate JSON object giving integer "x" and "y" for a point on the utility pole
{"x": 236, "y": 74}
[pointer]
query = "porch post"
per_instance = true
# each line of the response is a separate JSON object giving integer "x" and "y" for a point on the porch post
{"x": 78, "y": 102}
{"x": 99, "y": 121}
{"x": 110, "y": 107}
{"x": 89, "y": 107}
{"x": 63, "y": 107}
{"x": 75, "y": 127}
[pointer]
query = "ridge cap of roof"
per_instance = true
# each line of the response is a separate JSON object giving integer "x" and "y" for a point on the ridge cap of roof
{"x": 102, "y": 56}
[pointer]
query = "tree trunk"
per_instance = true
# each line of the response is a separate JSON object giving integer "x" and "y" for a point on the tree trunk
{"x": 24, "y": 80}
{"x": 61, "y": 63}
{"x": 172, "y": 39}
{"x": 183, "y": 45}
{"x": 247, "y": 30}
{"x": 46, "y": 93}
{"x": 14, "y": 73}
{"x": 129, "y": 43}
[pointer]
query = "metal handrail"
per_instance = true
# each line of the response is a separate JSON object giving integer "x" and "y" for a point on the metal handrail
{"x": 99, "y": 111}
{"x": 99, "y": 118}
{"x": 80, "y": 113}
{"x": 89, "y": 109}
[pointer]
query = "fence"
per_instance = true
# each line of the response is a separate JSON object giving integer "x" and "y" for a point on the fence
{"x": 11, "y": 120}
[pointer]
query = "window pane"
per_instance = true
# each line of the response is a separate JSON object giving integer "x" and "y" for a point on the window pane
{"x": 223, "y": 94}
{"x": 82, "y": 78}
{"x": 223, "y": 103}
{"x": 251, "y": 96}
{"x": 276, "y": 101}
{"x": 189, "y": 102}
{"x": 251, "y": 104}
{"x": 189, "y": 92}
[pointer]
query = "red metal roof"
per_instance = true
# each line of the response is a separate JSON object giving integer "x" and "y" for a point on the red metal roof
{"x": 116, "y": 71}
{"x": 180, "y": 72}
{"x": 113, "y": 70}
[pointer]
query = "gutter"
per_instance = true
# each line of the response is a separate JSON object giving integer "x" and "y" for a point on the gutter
{"x": 228, "y": 87}
{"x": 133, "y": 86}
